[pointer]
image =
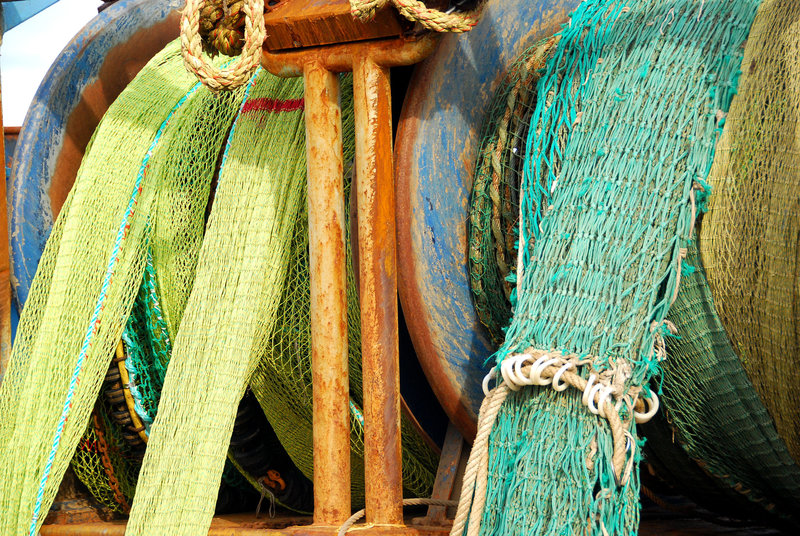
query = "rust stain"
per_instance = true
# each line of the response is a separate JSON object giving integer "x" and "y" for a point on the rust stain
{"x": 331, "y": 424}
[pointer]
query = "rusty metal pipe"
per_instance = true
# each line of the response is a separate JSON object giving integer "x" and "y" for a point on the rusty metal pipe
{"x": 328, "y": 296}
{"x": 342, "y": 58}
{"x": 378, "y": 291}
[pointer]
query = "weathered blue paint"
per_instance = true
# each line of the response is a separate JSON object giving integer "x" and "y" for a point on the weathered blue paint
{"x": 42, "y": 134}
{"x": 437, "y": 142}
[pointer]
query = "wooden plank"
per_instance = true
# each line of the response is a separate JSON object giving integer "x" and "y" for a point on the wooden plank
{"x": 306, "y": 23}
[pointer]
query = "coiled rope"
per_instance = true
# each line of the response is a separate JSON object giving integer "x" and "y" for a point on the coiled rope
{"x": 238, "y": 72}
{"x": 416, "y": 11}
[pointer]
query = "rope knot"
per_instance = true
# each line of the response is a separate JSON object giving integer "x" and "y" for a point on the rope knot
{"x": 213, "y": 26}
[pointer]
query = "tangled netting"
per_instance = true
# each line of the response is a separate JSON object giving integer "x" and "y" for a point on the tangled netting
{"x": 84, "y": 288}
{"x": 750, "y": 243}
{"x": 181, "y": 167}
{"x": 623, "y": 133}
{"x": 494, "y": 203}
{"x": 172, "y": 307}
{"x": 254, "y": 252}
{"x": 103, "y": 462}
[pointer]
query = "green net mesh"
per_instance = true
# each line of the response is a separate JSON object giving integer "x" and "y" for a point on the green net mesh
{"x": 181, "y": 168}
{"x": 84, "y": 288}
{"x": 624, "y": 126}
{"x": 282, "y": 379}
{"x": 751, "y": 234}
{"x": 716, "y": 414}
{"x": 494, "y": 203}
{"x": 147, "y": 345}
{"x": 242, "y": 263}
{"x": 103, "y": 463}
{"x": 716, "y": 440}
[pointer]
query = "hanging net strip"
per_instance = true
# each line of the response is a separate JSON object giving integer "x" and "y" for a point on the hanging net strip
{"x": 751, "y": 234}
{"x": 181, "y": 168}
{"x": 241, "y": 264}
{"x": 64, "y": 327}
{"x": 635, "y": 92}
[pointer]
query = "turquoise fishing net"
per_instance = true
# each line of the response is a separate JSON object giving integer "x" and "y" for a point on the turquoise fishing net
{"x": 619, "y": 145}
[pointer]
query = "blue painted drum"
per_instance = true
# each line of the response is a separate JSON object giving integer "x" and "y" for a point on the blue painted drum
{"x": 436, "y": 146}
{"x": 85, "y": 78}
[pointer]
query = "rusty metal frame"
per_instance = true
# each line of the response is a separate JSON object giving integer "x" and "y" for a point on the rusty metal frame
{"x": 377, "y": 267}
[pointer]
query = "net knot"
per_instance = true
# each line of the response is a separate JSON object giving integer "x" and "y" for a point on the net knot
{"x": 222, "y": 27}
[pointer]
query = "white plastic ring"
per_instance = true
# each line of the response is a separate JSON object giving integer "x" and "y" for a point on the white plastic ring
{"x": 535, "y": 366}
{"x": 557, "y": 377}
{"x": 652, "y": 401}
{"x": 585, "y": 397}
{"x": 596, "y": 389}
{"x": 518, "y": 372}
{"x": 486, "y": 379}
{"x": 507, "y": 371}
{"x": 536, "y": 375}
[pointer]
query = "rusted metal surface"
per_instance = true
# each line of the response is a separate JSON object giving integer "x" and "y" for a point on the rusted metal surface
{"x": 437, "y": 140}
{"x": 69, "y": 508}
{"x": 378, "y": 292}
{"x": 654, "y": 523}
{"x": 446, "y": 475}
{"x": 307, "y": 23}
{"x": 341, "y": 58}
{"x": 82, "y": 82}
{"x": 328, "y": 296}
{"x": 242, "y": 525}
{"x": 377, "y": 263}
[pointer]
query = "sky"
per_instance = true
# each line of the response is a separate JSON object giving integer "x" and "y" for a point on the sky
{"x": 29, "y": 49}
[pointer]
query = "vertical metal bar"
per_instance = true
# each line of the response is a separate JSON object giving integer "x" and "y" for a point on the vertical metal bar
{"x": 328, "y": 297}
{"x": 446, "y": 475}
{"x": 378, "y": 292}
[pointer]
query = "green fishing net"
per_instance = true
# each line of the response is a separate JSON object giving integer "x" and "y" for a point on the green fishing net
{"x": 716, "y": 414}
{"x": 242, "y": 263}
{"x": 622, "y": 135}
{"x": 494, "y": 202}
{"x": 182, "y": 164}
{"x": 751, "y": 234}
{"x": 104, "y": 464}
{"x": 84, "y": 288}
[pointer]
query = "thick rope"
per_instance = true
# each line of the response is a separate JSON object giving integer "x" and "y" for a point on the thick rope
{"x": 238, "y": 72}
{"x": 352, "y": 520}
{"x": 222, "y": 26}
{"x": 479, "y": 455}
{"x": 416, "y": 11}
